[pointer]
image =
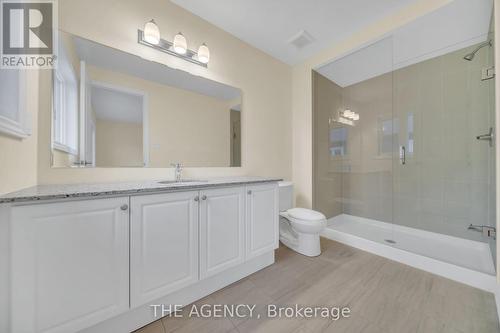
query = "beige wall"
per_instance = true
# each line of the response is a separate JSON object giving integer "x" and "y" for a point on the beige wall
{"x": 118, "y": 144}
{"x": 18, "y": 158}
{"x": 302, "y": 90}
{"x": 264, "y": 81}
{"x": 183, "y": 126}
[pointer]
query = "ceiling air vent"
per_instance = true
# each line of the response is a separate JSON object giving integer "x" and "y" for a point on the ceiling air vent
{"x": 301, "y": 39}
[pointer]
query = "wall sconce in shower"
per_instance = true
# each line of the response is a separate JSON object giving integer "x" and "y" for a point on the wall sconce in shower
{"x": 151, "y": 37}
{"x": 347, "y": 117}
{"x": 345, "y": 121}
{"x": 350, "y": 115}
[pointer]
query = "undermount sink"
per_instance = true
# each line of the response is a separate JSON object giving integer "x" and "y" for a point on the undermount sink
{"x": 182, "y": 181}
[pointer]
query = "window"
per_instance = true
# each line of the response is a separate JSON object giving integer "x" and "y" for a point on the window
{"x": 338, "y": 141}
{"x": 411, "y": 139}
{"x": 14, "y": 119}
{"x": 65, "y": 107}
{"x": 387, "y": 135}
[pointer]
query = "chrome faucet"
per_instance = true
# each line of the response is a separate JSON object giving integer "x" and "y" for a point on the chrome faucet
{"x": 178, "y": 171}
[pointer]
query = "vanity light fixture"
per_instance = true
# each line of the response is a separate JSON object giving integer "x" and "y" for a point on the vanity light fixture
{"x": 204, "y": 54}
{"x": 151, "y": 37}
{"x": 180, "y": 43}
{"x": 151, "y": 32}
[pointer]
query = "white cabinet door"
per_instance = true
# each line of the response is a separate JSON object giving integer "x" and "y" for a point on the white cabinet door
{"x": 262, "y": 217}
{"x": 70, "y": 264}
{"x": 163, "y": 244}
{"x": 222, "y": 218}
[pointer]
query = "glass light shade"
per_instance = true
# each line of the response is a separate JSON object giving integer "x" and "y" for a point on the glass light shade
{"x": 203, "y": 54}
{"x": 345, "y": 121}
{"x": 151, "y": 32}
{"x": 180, "y": 44}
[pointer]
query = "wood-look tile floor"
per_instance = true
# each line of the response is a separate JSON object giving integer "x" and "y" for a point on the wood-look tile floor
{"x": 383, "y": 295}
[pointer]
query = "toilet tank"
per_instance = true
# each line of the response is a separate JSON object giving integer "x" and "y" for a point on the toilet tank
{"x": 285, "y": 196}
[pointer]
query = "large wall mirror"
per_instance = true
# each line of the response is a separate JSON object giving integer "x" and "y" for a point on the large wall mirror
{"x": 115, "y": 109}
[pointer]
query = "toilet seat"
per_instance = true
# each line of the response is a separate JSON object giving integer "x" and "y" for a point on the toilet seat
{"x": 303, "y": 214}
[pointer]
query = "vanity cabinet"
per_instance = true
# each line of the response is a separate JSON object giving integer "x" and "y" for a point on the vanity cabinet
{"x": 69, "y": 264}
{"x": 163, "y": 244}
{"x": 222, "y": 229}
{"x": 262, "y": 218}
{"x": 79, "y": 263}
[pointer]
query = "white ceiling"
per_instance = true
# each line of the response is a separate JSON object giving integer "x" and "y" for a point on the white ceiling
{"x": 112, "y": 59}
{"x": 113, "y": 105}
{"x": 270, "y": 24}
{"x": 459, "y": 24}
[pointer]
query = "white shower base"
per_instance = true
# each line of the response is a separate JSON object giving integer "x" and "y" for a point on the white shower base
{"x": 463, "y": 260}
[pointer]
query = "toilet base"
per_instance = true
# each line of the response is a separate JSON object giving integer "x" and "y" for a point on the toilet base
{"x": 306, "y": 244}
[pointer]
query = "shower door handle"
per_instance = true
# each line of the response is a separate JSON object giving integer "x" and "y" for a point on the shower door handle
{"x": 487, "y": 137}
{"x": 402, "y": 155}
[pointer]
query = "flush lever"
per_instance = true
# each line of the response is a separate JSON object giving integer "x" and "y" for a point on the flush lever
{"x": 487, "y": 137}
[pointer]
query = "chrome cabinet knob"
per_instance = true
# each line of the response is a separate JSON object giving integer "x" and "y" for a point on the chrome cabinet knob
{"x": 124, "y": 207}
{"x": 249, "y": 192}
{"x": 203, "y": 197}
{"x": 196, "y": 198}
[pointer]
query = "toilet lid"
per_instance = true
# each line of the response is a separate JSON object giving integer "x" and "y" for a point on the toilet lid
{"x": 305, "y": 214}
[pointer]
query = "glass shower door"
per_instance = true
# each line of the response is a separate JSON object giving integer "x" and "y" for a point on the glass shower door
{"x": 444, "y": 177}
{"x": 353, "y": 142}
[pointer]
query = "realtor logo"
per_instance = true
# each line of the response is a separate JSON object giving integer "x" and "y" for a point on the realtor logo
{"x": 28, "y": 35}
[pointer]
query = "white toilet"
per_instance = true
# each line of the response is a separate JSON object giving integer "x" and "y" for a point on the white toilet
{"x": 299, "y": 227}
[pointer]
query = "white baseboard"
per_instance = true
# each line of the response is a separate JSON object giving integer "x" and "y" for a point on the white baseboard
{"x": 143, "y": 315}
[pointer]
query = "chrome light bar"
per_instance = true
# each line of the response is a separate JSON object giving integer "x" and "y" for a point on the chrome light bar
{"x": 167, "y": 47}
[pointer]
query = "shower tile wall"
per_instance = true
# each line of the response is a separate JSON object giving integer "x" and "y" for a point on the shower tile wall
{"x": 358, "y": 181}
{"x": 367, "y": 182}
{"x": 440, "y": 105}
{"x": 327, "y": 171}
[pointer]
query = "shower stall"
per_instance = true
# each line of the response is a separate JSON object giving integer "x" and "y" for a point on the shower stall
{"x": 404, "y": 152}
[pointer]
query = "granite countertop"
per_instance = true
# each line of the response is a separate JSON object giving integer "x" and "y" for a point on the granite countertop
{"x": 51, "y": 192}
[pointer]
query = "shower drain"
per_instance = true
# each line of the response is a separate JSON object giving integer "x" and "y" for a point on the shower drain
{"x": 390, "y": 241}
